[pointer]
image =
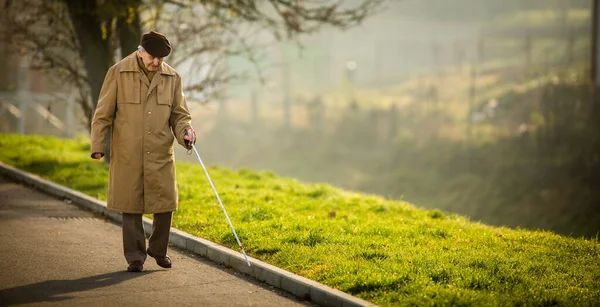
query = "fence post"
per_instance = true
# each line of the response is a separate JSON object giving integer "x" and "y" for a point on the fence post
{"x": 459, "y": 55}
{"x": 481, "y": 50}
{"x": 435, "y": 51}
{"x": 70, "y": 117}
{"x": 570, "y": 47}
{"x": 23, "y": 94}
{"x": 379, "y": 61}
{"x": 222, "y": 115}
{"x": 563, "y": 8}
{"x": 528, "y": 45}
{"x": 316, "y": 117}
{"x": 392, "y": 123}
{"x": 471, "y": 104}
{"x": 287, "y": 102}
{"x": 254, "y": 107}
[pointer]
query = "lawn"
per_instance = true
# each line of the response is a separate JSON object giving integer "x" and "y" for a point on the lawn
{"x": 388, "y": 252}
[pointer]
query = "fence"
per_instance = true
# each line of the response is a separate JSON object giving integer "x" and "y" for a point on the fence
{"x": 40, "y": 113}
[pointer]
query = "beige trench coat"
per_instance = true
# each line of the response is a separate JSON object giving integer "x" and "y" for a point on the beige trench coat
{"x": 146, "y": 118}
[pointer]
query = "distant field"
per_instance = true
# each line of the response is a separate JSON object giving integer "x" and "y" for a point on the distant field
{"x": 388, "y": 252}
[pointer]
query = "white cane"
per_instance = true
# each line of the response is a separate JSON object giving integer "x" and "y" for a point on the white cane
{"x": 222, "y": 207}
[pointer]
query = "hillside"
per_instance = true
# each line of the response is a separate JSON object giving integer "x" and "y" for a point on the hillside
{"x": 388, "y": 252}
{"x": 502, "y": 133}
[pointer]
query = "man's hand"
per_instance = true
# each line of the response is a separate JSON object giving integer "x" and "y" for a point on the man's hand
{"x": 190, "y": 138}
{"x": 97, "y": 155}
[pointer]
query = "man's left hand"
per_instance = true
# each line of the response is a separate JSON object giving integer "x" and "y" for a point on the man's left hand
{"x": 190, "y": 137}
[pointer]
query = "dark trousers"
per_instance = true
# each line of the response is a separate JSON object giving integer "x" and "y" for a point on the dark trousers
{"x": 134, "y": 240}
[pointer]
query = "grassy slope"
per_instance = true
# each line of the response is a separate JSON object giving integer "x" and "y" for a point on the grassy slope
{"x": 390, "y": 253}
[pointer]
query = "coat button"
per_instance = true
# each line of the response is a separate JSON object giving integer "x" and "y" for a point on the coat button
{"x": 148, "y": 132}
{"x": 147, "y": 152}
{"x": 149, "y": 112}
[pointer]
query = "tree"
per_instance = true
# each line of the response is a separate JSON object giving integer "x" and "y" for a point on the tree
{"x": 70, "y": 39}
{"x": 79, "y": 40}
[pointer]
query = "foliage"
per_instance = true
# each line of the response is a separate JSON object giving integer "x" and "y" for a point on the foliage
{"x": 388, "y": 252}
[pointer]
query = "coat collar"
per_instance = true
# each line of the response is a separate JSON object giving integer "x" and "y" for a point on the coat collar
{"x": 129, "y": 63}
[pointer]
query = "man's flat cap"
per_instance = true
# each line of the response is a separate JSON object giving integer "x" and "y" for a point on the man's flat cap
{"x": 156, "y": 44}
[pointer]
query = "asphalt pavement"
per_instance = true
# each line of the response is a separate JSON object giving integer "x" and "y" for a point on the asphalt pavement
{"x": 55, "y": 253}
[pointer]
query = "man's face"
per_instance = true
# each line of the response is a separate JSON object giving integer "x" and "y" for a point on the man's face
{"x": 152, "y": 63}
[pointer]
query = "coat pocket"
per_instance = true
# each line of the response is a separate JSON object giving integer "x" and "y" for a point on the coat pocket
{"x": 128, "y": 87}
{"x": 165, "y": 91}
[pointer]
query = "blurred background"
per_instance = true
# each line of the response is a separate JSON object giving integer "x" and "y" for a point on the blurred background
{"x": 483, "y": 108}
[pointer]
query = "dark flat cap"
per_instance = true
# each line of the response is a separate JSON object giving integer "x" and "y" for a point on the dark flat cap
{"x": 156, "y": 44}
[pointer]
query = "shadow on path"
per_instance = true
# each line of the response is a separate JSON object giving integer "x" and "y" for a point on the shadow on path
{"x": 51, "y": 290}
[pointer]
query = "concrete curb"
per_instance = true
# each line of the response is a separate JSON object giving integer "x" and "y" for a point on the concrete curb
{"x": 299, "y": 286}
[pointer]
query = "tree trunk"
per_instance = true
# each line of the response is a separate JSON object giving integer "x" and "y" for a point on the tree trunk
{"x": 94, "y": 50}
{"x": 129, "y": 33}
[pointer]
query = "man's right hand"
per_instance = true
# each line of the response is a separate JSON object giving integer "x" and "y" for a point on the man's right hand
{"x": 97, "y": 155}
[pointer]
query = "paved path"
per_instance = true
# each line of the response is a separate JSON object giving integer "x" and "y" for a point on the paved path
{"x": 54, "y": 253}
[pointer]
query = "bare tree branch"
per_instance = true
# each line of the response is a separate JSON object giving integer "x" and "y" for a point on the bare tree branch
{"x": 206, "y": 33}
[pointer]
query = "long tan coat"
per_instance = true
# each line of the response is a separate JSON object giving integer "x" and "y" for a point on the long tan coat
{"x": 146, "y": 118}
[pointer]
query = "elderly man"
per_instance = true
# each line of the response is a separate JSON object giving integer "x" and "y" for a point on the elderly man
{"x": 142, "y": 100}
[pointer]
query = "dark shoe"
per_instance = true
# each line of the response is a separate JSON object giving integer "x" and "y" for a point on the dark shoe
{"x": 163, "y": 262}
{"x": 135, "y": 266}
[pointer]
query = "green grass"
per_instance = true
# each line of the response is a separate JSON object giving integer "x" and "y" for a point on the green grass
{"x": 387, "y": 252}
